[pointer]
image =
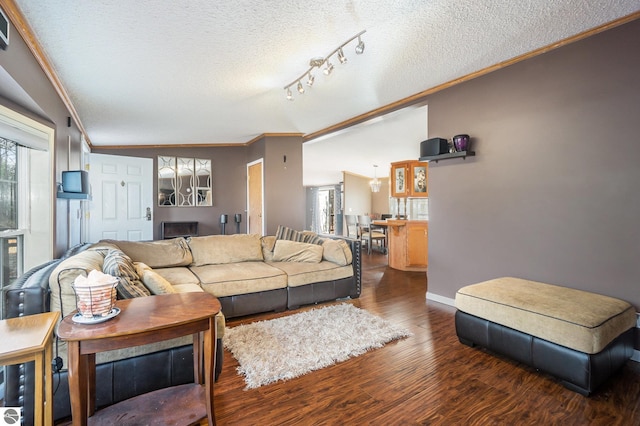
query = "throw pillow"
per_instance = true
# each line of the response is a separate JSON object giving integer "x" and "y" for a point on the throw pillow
{"x": 311, "y": 238}
{"x": 293, "y": 251}
{"x": 337, "y": 251}
{"x": 285, "y": 233}
{"x": 152, "y": 280}
{"x": 156, "y": 254}
{"x": 119, "y": 265}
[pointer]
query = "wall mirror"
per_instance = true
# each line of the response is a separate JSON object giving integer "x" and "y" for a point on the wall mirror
{"x": 184, "y": 182}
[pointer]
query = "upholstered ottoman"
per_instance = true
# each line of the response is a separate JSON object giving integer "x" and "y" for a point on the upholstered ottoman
{"x": 581, "y": 338}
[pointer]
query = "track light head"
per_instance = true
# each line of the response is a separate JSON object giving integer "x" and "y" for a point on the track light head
{"x": 328, "y": 69}
{"x": 310, "y": 80}
{"x": 300, "y": 88}
{"x": 341, "y": 57}
{"x": 289, "y": 94}
{"x": 360, "y": 46}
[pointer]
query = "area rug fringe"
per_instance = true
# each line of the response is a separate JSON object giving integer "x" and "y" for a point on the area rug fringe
{"x": 291, "y": 346}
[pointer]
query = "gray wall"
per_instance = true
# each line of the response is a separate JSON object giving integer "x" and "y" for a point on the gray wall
{"x": 284, "y": 194}
{"x": 552, "y": 194}
{"x": 26, "y": 89}
{"x": 228, "y": 174}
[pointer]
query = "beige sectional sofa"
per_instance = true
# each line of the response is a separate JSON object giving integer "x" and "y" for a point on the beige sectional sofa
{"x": 248, "y": 273}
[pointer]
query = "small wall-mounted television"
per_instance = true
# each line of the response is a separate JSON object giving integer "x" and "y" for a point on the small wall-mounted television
{"x": 76, "y": 181}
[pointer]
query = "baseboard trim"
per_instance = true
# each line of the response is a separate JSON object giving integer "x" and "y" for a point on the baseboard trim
{"x": 441, "y": 299}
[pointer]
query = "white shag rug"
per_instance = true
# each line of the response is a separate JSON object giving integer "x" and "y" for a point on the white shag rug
{"x": 291, "y": 346}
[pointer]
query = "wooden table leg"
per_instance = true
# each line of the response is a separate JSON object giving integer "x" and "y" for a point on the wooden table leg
{"x": 197, "y": 359}
{"x": 38, "y": 400}
{"x": 48, "y": 383}
{"x": 90, "y": 369}
{"x": 77, "y": 384}
{"x": 210, "y": 343}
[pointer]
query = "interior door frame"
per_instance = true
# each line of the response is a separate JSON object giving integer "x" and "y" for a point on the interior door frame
{"x": 262, "y": 225}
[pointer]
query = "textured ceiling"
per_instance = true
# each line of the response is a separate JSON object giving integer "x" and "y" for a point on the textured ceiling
{"x": 201, "y": 71}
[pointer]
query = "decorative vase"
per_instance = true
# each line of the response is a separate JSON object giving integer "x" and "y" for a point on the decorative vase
{"x": 461, "y": 142}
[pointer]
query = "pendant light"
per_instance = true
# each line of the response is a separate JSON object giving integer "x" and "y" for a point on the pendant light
{"x": 375, "y": 183}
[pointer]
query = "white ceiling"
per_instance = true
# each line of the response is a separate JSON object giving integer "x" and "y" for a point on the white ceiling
{"x": 155, "y": 72}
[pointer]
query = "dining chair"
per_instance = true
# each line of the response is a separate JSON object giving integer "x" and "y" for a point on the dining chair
{"x": 351, "y": 221}
{"x": 369, "y": 235}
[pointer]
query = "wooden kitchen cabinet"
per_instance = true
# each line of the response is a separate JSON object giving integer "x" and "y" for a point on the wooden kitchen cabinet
{"x": 417, "y": 246}
{"x": 408, "y": 244}
{"x": 409, "y": 179}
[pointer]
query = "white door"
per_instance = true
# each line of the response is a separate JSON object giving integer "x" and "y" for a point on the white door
{"x": 122, "y": 200}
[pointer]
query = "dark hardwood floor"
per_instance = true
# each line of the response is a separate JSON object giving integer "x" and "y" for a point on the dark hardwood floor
{"x": 428, "y": 378}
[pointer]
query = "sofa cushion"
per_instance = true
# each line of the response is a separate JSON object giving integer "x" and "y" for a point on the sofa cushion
{"x": 239, "y": 278}
{"x": 268, "y": 243}
{"x": 178, "y": 275}
{"x": 302, "y": 273}
{"x": 156, "y": 254}
{"x": 119, "y": 265}
{"x": 337, "y": 251}
{"x": 293, "y": 251}
{"x": 221, "y": 249}
{"x": 152, "y": 280}
{"x": 63, "y": 298}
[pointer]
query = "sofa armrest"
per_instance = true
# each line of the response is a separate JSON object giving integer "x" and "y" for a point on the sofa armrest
{"x": 356, "y": 253}
{"x": 29, "y": 294}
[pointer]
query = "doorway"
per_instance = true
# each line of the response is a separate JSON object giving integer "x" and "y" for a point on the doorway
{"x": 255, "y": 198}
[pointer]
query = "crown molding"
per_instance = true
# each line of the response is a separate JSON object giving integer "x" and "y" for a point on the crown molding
{"x": 421, "y": 97}
{"x": 17, "y": 19}
{"x": 26, "y": 32}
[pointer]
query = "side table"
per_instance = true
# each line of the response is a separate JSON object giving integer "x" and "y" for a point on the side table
{"x": 141, "y": 321}
{"x": 26, "y": 339}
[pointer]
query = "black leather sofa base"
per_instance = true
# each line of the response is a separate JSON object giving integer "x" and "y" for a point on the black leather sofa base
{"x": 321, "y": 292}
{"x": 578, "y": 371}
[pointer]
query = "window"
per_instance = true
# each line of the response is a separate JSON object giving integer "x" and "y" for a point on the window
{"x": 26, "y": 195}
{"x": 8, "y": 184}
{"x": 11, "y": 240}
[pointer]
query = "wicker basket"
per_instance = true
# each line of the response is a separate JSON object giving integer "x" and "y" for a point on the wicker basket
{"x": 95, "y": 300}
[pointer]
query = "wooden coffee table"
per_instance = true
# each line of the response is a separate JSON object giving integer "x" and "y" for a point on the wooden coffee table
{"x": 25, "y": 339}
{"x": 141, "y": 321}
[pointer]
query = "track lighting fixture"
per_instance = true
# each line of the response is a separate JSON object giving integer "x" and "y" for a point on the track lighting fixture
{"x": 318, "y": 62}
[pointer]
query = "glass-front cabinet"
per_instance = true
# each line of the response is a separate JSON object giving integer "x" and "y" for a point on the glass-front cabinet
{"x": 407, "y": 231}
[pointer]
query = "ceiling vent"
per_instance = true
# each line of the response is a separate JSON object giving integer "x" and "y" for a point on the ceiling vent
{"x": 4, "y": 30}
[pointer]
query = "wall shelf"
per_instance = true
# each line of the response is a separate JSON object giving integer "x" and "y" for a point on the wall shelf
{"x": 74, "y": 195}
{"x": 436, "y": 158}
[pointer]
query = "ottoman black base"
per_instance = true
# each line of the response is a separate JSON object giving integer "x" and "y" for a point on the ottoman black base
{"x": 578, "y": 371}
